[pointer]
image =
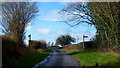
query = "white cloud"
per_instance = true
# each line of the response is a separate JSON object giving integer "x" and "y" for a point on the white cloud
{"x": 79, "y": 13}
{"x": 53, "y": 36}
{"x": 79, "y": 35}
{"x": 51, "y": 16}
{"x": 44, "y": 30}
{"x": 28, "y": 27}
{"x": 63, "y": 31}
{"x": 0, "y": 16}
{"x": 55, "y": 16}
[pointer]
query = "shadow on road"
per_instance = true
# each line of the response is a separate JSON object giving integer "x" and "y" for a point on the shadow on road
{"x": 73, "y": 53}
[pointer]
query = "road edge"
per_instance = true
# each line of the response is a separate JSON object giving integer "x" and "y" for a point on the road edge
{"x": 43, "y": 61}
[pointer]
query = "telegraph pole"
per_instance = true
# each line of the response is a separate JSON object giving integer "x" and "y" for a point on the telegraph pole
{"x": 83, "y": 41}
{"x": 77, "y": 39}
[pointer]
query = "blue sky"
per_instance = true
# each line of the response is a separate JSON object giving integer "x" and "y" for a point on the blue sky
{"x": 47, "y": 27}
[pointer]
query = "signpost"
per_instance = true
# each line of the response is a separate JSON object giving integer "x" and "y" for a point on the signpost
{"x": 83, "y": 39}
{"x": 29, "y": 39}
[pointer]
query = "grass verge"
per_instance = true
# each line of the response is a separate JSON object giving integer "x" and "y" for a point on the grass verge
{"x": 28, "y": 61}
{"x": 91, "y": 58}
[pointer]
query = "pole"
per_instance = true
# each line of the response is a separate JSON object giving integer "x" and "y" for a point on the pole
{"x": 77, "y": 39}
{"x": 29, "y": 40}
{"x": 83, "y": 41}
{"x": 29, "y": 37}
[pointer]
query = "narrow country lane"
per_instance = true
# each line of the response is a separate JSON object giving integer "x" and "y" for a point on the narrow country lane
{"x": 61, "y": 59}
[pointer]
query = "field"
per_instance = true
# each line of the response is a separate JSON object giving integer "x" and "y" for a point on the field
{"x": 91, "y": 58}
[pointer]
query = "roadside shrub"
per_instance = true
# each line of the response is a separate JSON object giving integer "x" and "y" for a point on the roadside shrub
{"x": 8, "y": 47}
{"x": 89, "y": 44}
{"x": 12, "y": 51}
{"x": 73, "y": 47}
{"x": 37, "y": 44}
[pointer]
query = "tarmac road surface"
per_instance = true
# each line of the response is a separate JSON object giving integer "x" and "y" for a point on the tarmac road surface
{"x": 59, "y": 59}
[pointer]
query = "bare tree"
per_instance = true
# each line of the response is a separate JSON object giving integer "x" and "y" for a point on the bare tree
{"x": 76, "y": 13}
{"x": 15, "y": 17}
{"x": 105, "y": 16}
